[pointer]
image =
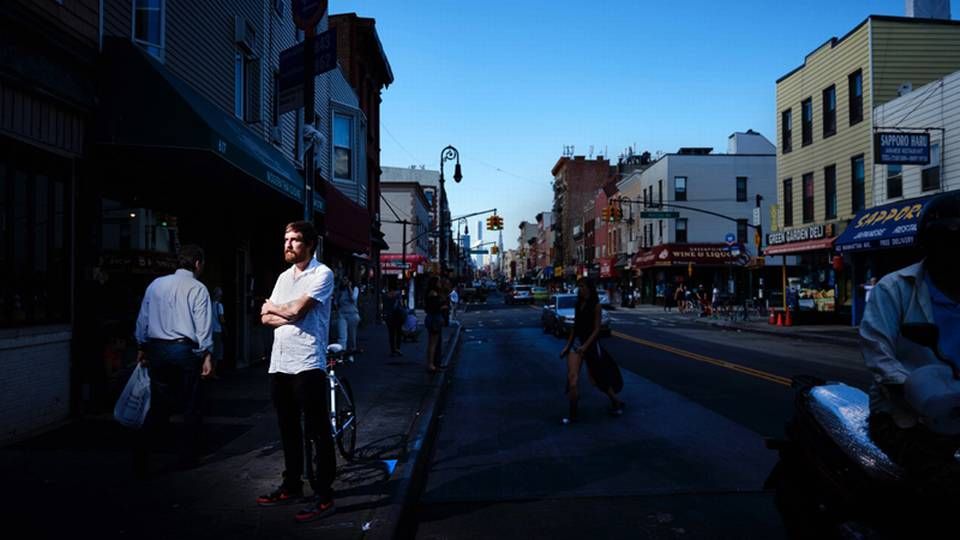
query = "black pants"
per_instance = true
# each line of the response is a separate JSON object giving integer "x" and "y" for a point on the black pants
{"x": 394, "y": 335}
{"x": 305, "y": 392}
{"x": 175, "y": 387}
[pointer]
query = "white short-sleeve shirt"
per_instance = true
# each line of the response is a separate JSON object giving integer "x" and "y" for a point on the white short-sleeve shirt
{"x": 302, "y": 345}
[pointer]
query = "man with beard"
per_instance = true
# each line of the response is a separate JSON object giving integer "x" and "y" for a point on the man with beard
{"x": 299, "y": 311}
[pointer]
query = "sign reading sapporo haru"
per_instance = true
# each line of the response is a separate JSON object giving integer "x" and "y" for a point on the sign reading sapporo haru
{"x": 898, "y": 148}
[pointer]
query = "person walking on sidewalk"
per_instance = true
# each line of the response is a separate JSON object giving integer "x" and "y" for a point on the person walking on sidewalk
{"x": 299, "y": 311}
{"x": 454, "y": 302}
{"x": 349, "y": 320}
{"x": 394, "y": 315}
{"x": 434, "y": 322}
{"x": 217, "y": 326}
{"x": 174, "y": 342}
{"x": 584, "y": 336}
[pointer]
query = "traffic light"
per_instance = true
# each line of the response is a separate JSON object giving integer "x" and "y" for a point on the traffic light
{"x": 617, "y": 213}
{"x": 492, "y": 223}
{"x": 498, "y": 223}
{"x": 494, "y": 250}
{"x": 605, "y": 214}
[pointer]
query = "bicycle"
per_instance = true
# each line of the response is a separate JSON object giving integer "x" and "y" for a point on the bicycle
{"x": 343, "y": 417}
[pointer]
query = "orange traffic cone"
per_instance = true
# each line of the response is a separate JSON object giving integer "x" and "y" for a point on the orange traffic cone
{"x": 779, "y": 319}
{"x": 789, "y": 319}
{"x": 773, "y": 317}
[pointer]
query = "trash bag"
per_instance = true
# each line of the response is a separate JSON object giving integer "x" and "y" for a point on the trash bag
{"x": 134, "y": 403}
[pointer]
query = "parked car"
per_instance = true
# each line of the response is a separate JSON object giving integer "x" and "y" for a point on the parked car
{"x": 604, "y": 298}
{"x": 520, "y": 294}
{"x": 558, "y": 315}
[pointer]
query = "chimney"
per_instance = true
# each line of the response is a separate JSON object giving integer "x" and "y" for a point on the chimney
{"x": 928, "y": 9}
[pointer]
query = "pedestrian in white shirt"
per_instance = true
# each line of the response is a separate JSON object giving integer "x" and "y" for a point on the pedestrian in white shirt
{"x": 299, "y": 311}
{"x": 174, "y": 342}
{"x": 454, "y": 302}
{"x": 349, "y": 320}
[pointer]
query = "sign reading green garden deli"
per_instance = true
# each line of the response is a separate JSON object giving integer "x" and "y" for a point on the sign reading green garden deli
{"x": 801, "y": 234}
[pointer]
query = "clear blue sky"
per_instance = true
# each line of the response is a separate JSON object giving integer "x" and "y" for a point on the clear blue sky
{"x": 509, "y": 83}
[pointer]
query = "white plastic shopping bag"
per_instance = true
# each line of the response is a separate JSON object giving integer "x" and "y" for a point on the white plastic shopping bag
{"x": 134, "y": 403}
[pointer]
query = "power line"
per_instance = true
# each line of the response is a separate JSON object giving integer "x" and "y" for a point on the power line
{"x": 415, "y": 159}
{"x": 390, "y": 206}
{"x": 506, "y": 172}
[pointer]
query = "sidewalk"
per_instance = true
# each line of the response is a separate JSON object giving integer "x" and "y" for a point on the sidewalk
{"x": 77, "y": 480}
{"x": 833, "y": 334}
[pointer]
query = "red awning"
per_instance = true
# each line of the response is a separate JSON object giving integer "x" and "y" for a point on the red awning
{"x": 347, "y": 223}
{"x": 798, "y": 247}
{"x": 393, "y": 258}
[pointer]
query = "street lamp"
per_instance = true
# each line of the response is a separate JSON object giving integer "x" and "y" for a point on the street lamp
{"x": 447, "y": 154}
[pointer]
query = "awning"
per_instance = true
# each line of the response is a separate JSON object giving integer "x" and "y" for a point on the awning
{"x": 799, "y": 247}
{"x": 347, "y": 223}
{"x": 889, "y": 226}
{"x": 622, "y": 261}
{"x": 144, "y": 105}
{"x": 684, "y": 254}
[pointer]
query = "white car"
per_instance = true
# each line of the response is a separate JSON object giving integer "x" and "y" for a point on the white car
{"x": 559, "y": 314}
{"x": 521, "y": 294}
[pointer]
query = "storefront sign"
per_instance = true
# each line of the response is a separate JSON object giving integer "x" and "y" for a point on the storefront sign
{"x": 606, "y": 268}
{"x": 897, "y": 148}
{"x": 802, "y": 234}
{"x": 685, "y": 254}
{"x": 888, "y": 226}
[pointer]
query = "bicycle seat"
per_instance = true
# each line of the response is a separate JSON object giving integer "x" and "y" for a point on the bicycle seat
{"x": 334, "y": 348}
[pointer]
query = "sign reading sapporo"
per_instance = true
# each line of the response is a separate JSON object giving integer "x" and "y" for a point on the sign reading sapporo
{"x": 893, "y": 148}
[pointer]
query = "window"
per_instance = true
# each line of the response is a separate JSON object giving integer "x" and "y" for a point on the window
{"x": 855, "y": 84}
{"x": 830, "y": 191}
{"x": 239, "y": 83}
{"x": 894, "y": 181}
{"x": 786, "y": 130}
{"x": 808, "y": 197}
{"x": 741, "y": 231}
{"x": 930, "y": 175}
{"x": 34, "y": 243}
{"x": 806, "y": 129}
{"x": 679, "y": 188}
{"x": 741, "y": 188}
{"x": 858, "y": 186}
{"x": 148, "y": 26}
{"x": 829, "y": 112}
{"x": 660, "y": 225}
{"x": 342, "y": 146}
{"x": 659, "y": 192}
{"x": 788, "y": 202}
{"x": 681, "y": 231}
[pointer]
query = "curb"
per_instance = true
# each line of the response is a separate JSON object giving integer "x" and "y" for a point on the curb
{"x": 393, "y": 519}
{"x": 847, "y": 342}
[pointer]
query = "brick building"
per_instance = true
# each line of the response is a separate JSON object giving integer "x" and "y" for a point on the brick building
{"x": 576, "y": 181}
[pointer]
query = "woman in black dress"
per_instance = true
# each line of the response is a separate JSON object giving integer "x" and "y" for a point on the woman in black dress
{"x": 434, "y": 322}
{"x": 603, "y": 372}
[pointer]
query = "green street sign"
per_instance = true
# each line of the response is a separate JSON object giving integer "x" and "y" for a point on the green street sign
{"x": 479, "y": 252}
{"x": 659, "y": 215}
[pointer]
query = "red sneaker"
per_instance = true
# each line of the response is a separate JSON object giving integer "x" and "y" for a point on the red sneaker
{"x": 313, "y": 513}
{"x": 280, "y": 496}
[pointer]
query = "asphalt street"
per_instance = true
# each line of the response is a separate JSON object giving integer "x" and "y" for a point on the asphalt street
{"x": 687, "y": 460}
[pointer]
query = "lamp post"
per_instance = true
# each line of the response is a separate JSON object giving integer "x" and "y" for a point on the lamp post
{"x": 447, "y": 154}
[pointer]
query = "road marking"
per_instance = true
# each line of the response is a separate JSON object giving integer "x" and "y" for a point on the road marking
{"x": 706, "y": 359}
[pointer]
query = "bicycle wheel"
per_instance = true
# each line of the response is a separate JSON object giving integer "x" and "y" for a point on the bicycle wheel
{"x": 346, "y": 428}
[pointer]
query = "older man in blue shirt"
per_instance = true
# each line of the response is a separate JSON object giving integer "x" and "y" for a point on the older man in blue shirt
{"x": 928, "y": 293}
{"x": 175, "y": 342}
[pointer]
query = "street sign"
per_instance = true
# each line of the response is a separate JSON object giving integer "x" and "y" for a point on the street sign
{"x": 756, "y": 216}
{"x": 307, "y": 13}
{"x": 290, "y": 80}
{"x": 401, "y": 265}
{"x": 479, "y": 251}
{"x": 659, "y": 215}
{"x": 730, "y": 239}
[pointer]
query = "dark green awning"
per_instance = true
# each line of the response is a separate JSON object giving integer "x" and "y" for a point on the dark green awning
{"x": 144, "y": 105}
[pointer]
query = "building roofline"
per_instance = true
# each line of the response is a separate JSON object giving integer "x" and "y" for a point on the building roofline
{"x": 833, "y": 42}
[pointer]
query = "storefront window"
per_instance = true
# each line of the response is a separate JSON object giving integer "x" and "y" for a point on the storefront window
{"x": 34, "y": 233}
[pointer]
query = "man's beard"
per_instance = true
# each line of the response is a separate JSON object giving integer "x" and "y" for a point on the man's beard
{"x": 291, "y": 257}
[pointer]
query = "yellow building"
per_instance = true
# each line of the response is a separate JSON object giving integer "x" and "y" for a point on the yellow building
{"x": 825, "y": 123}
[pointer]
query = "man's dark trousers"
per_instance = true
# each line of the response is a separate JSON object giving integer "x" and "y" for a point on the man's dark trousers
{"x": 307, "y": 392}
{"x": 175, "y": 386}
